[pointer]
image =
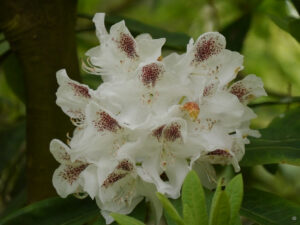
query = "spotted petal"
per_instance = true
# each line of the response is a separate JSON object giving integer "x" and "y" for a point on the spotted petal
{"x": 72, "y": 96}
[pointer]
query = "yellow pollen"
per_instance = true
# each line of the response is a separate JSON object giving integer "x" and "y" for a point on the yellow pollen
{"x": 192, "y": 108}
{"x": 237, "y": 70}
{"x": 160, "y": 58}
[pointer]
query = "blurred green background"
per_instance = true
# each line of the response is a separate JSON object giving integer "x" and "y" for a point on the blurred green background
{"x": 266, "y": 32}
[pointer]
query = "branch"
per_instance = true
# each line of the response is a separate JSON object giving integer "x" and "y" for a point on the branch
{"x": 282, "y": 101}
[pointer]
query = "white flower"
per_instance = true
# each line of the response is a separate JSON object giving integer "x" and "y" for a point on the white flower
{"x": 152, "y": 119}
{"x": 73, "y": 97}
{"x": 68, "y": 179}
{"x": 119, "y": 53}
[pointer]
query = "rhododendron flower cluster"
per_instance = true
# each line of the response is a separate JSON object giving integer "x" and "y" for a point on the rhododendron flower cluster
{"x": 152, "y": 119}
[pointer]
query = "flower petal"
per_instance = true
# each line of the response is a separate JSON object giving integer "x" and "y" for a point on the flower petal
{"x": 247, "y": 89}
{"x": 66, "y": 179}
{"x": 60, "y": 151}
{"x": 72, "y": 96}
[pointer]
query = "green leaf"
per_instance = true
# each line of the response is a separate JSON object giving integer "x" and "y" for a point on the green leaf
{"x": 234, "y": 191}
{"x": 268, "y": 209}
{"x": 193, "y": 201}
{"x": 220, "y": 208}
{"x": 172, "y": 212}
{"x": 58, "y": 211}
{"x": 14, "y": 76}
{"x": 54, "y": 211}
{"x": 126, "y": 220}
{"x": 279, "y": 143}
{"x": 236, "y": 32}
{"x": 281, "y": 13}
{"x": 177, "y": 203}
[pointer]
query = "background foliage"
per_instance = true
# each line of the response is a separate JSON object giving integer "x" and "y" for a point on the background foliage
{"x": 267, "y": 32}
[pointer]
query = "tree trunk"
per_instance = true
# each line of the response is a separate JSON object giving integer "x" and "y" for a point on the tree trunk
{"x": 41, "y": 34}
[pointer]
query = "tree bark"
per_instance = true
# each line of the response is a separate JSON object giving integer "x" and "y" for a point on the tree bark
{"x": 41, "y": 34}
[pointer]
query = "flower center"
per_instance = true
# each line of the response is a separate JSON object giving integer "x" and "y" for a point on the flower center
{"x": 192, "y": 108}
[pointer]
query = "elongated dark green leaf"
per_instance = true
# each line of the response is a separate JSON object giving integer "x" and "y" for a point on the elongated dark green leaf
{"x": 54, "y": 211}
{"x": 126, "y": 220}
{"x": 193, "y": 201}
{"x": 279, "y": 143}
{"x": 14, "y": 76}
{"x": 220, "y": 208}
{"x": 175, "y": 40}
{"x": 170, "y": 209}
{"x": 236, "y": 32}
{"x": 268, "y": 209}
{"x": 234, "y": 191}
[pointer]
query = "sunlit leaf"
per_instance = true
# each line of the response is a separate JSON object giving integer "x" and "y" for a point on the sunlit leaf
{"x": 282, "y": 13}
{"x": 193, "y": 201}
{"x": 268, "y": 209}
{"x": 177, "y": 203}
{"x": 234, "y": 191}
{"x": 279, "y": 143}
{"x": 126, "y": 220}
{"x": 170, "y": 209}
{"x": 220, "y": 208}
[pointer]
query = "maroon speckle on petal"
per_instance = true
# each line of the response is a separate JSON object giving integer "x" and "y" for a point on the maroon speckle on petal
{"x": 172, "y": 132}
{"x": 239, "y": 91}
{"x": 113, "y": 178}
{"x": 71, "y": 173}
{"x": 80, "y": 90}
{"x": 106, "y": 122}
{"x": 150, "y": 74}
{"x": 125, "y": 165}
{"x": 158, "y": 132}
{"x": 127, "y": 44}
{"x": 208, "y": 90}
{"x": 219, "y": 152}
{"x": 206, "y": 48}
